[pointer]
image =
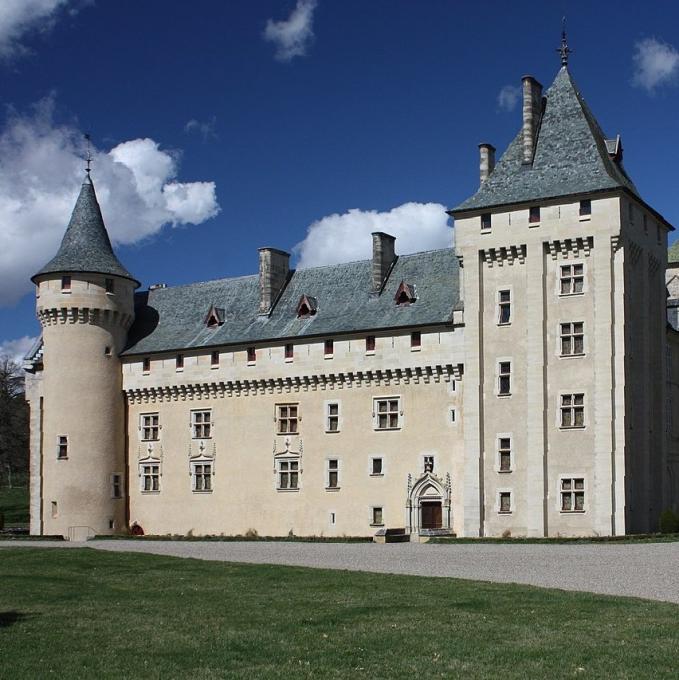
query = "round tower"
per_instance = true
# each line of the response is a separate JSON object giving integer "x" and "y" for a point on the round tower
{"x": 85, "y": 304}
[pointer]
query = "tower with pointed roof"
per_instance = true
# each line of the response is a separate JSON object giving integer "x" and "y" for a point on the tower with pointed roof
{"x": 85, "y": 304}
{"x": 574, "y": 379}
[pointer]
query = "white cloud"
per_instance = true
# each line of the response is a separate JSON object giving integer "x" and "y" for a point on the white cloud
{"x": 41, "y": 170}
{"x": 205, "y": 129}
{"x": 344, "y": 238}
{"x": 508, "y": 97}
{"x": 18, "y": 17}
{"x": 655, "y": 63}
{"x": 292, "y": 35}
{"x": 17, "y": 349}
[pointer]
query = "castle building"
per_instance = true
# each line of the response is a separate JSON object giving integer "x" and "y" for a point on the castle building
{"x": 520, "y": 383}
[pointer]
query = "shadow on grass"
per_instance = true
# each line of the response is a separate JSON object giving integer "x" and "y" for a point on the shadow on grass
{"x": 8, "y": 619}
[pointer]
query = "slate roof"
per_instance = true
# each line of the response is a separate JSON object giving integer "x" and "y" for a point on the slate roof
{"x": 571, "y": 156}
{"x": 174, "y": 318}
{"x": 86, "y": 246}
{"x": 673, "y": 253}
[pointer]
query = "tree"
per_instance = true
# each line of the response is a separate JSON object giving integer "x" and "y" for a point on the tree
{"x": 13, "y": 420}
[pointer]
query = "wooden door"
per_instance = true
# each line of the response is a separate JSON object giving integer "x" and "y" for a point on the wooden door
{"x": 431, "y": 515}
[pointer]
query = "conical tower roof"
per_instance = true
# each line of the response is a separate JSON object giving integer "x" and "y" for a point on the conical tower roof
{"x": 571, "y": 156}
{"x": 86, "y": 246}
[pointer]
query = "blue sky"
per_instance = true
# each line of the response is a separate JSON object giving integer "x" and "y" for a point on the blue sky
{"x": 214, "y": 136}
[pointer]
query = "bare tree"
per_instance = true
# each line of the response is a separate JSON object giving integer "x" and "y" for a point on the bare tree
{"x": 13, "y": 420}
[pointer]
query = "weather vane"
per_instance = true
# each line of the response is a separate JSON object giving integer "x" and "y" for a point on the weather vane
{"x": 564, "y": 50}
{"x": 88, "y": 137}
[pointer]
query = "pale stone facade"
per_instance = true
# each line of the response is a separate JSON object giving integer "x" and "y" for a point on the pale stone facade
{"x": 521, "y": 384}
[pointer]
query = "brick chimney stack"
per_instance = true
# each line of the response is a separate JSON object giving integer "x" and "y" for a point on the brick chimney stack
{"x": 486, "y": 160}
{"x": 384, "y": 254}
{"x": 532, "y": 109}
{"x": 274, "y": 267}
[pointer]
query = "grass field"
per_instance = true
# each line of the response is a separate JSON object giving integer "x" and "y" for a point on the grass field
{"x": 14, "y": 505}
{"x": 82, "y": 613}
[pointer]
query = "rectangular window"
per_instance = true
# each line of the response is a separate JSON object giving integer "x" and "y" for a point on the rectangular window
{"x": 504, "y": 378}
{"x": 572, "y": 279}
{"x": 332, "y": 417}
{"x": 485, "y": 221}
{"x": 572, "y": 339}
{"x": 62, "y": 446}
{"x": 214, "y": 358}
{"x": 504, "y": 302}
{"x": 376, "y": 467}
{"x": 116, "y": 486}
{"x": 377, "y": 517}
{"x": 150, "y": 477}
{"x": 252, "y": 355}
{"x": 452, "y": 414}
{"x": 202, "y": 476}
{"x": 149, "y": 427}
{"x": 585, "y": 208}
{"x": 289, "y": 351}
{"x": 505, "y": 502}
{"x": 55, "y": 512}
{"x": 179, "y": 362}
{"x": 573, "y": 494}
{"x": 287, "y": 418}
{"x": 387, "y": 413}
{"x": 505, "y": 454}
{"x": 201, "y": 424}
{"x": 109, "y": 285}
{"x": 572, "y": 410}
{"x": 429, "y": 463}
{"x": 370, "y": 343}
{"x": 332, "y": 481}
{"x": 534, "y": 214}
{"x": 415, "y": 340}
{"x": 146, "y": 365}
{"x": 288, "y": 474}
{"x": 66, "y": 283}
{"x": 329, "y": 348}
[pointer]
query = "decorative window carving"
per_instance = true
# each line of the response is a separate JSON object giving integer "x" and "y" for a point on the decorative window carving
{"x": 428, "y": 464}
{"x": 306, "y": 307}
{"x": 405, "y": 294}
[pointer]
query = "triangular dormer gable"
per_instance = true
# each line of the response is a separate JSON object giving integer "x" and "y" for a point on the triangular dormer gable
{"x": 306, "y": 306}
{"x": 405, "y": 294}
{"x": 215, "y": 317}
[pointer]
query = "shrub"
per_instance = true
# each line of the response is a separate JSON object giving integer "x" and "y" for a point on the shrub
{"x": 669, "y": 522}
{"x": 506, "y": 533}
{"x": 251, "y": 533}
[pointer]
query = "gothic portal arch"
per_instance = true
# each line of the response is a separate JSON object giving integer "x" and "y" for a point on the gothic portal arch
{"x": 428, "y": 505}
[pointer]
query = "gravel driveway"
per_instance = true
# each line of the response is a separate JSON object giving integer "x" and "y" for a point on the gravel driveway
{"x": 648, "y": 570}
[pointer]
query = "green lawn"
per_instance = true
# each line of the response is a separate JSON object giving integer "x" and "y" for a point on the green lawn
{"x": 14, "y": 505}
{"x": 83, "y": 613}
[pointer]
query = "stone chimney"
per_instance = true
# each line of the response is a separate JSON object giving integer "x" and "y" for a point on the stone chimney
{"x": 274, "y": 267}
{"x": 486, "y": 160}
{"x": 532, "y": 109}
{"x": 384, "y": 255}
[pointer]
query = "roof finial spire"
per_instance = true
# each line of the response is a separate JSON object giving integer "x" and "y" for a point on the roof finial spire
{"x": 88, "y": 160}
{"x": 564, "y": 50}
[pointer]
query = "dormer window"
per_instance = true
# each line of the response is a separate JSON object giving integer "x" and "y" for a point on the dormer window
{"x": 215, "y": 317}
{"x": 405, "y": 294}
{"x": 306, "y": 307}
{"x": 534, "y": 214}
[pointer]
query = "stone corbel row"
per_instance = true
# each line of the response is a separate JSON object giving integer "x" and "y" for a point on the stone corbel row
{"x": 237, "y": 388}
{"x": 577, "y": 245}
{"x": 84, "y": 315}
{"x": 508, "y": 254}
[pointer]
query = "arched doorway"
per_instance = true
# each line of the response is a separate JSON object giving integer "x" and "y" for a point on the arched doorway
{"x": 428, "y": 506}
